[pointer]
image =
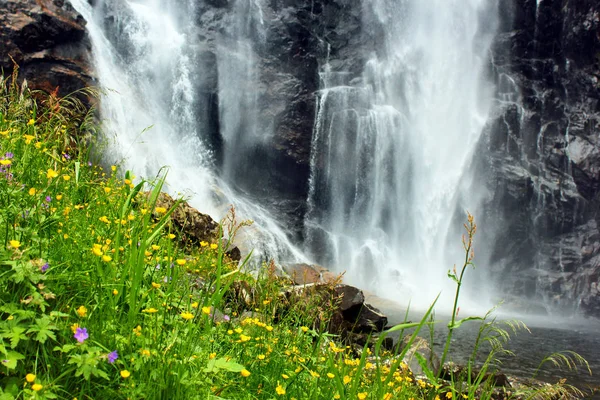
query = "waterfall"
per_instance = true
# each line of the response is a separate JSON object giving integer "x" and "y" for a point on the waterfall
{"x": 392, "y": 144}
{"x": 155, "y": 110}
{"x": 392, "y": 148}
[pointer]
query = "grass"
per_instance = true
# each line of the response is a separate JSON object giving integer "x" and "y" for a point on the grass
{"x": 99, "y": 299}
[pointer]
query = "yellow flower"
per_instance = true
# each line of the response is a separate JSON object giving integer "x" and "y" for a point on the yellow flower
{"x": 36, "y": 387}
{"x": 449, "y": 395}
{"x": 160, "y": 210}
{"x": 347, "y": 380}
{"x": 32, "y": 191}
{"x": 150, "y": 310}
{"x": 213, "y": 246}
{"x": 30, "y": 378}
{"x": 74, "y": 327}
{"x": 106, "y": 258}
{"x": 195, "y": 304}
{"x": 362, "y": 396}
{"x": 212, "y": 355}
{"x": 203, "y": 244}
{"x": 155, "y": 247}
{"x": 330, "y": 375}
{"x": 245, "y": 373}
{"x": 187, "y": 315}
{"x": 304, "y": 328}
{"x": 113, "y": 168}
{"x": 336, "y": 397}
{"x": 82, "y": 311}
{"x": 206, "y": 310}
{"x": 28, "y": 138}
{"x": 155, "y": 285}
{"x": 284, "y": 376}
{"x": 66, "y": 177}
{"x": 145, "y": 352}
{"x": 245, "y": 338}
{"x": 97, "y": 251}
{"x": 180, "y": 261}
{"x": 107, "y": 189}
{"x": 171, "y": 236}
{"x": 59, "y": 197}
{"x": 51, "y": 174}
{"x": 38, "y": 145}
{"x": 261, "y": 357}
{"x": 5, "y": 133}
{"x": 115, "y": 292}
{"x": 125, "y": 374}
{"x": 5, "y": 162}
{"x": 14, "y": 244}
{"x": 280, "y": 390}
{"x": 31, "y": 122}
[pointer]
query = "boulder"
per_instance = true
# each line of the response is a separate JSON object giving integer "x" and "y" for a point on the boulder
{"x": 194, "y": 227}
{"x": 48, "y": 41}
{"x": 302, "y": 274}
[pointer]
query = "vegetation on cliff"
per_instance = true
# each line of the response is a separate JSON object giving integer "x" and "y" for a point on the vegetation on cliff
{"x": 99, "y": 299}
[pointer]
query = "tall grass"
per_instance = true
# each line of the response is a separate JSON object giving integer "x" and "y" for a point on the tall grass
{"x": 99, "y": 299}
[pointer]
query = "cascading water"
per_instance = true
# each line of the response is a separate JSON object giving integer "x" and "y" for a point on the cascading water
{"x": 392, "y": 148}
{"x": 154, "y": 110}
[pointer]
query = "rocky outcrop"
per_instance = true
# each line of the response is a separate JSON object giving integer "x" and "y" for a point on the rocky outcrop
{"x": 47, "y": 39}
{"x": 542, "y": 153}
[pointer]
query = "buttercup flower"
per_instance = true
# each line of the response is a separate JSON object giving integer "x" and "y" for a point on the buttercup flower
{"x": 280, "y": 390}
{"x": 82, "y": 311}
{"x": 187, "y": 315}
{"x": 245, "y": 373}
{"x": 51, "y": 174}
{"x": 125, "y": 374}
{"x": 30, "y": 378}
{"x": 14, "y": 244}
{"x": 36, "y": 387}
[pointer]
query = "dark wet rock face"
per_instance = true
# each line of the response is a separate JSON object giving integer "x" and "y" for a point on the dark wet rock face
{"x": 542, "y": 153}
{"x": 47, "y": 39}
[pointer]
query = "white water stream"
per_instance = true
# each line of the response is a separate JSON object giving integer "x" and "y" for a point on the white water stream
{"x": 391, "y": 155}
{"x": 147, "y": 71}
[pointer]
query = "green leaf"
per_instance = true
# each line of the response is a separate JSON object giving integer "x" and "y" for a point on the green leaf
{"x": 64, "y": 349}
{"x": 453, "y": 276}
{"x": 458, "y": 323}
{"x": 15, "y": 334}
{"x": 10, "y": 359}
{"x": 222, "y": 363}
{"x": 43, "y": 328}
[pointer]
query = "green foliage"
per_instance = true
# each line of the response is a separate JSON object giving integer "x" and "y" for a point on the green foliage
{"x": 99, "y": 300}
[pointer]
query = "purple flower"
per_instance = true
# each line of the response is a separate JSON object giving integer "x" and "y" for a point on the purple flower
{"x": 66, "y": 156}
{"x": 112, "y": 356}
{"x": 48, "y": 199}
{"x": 226, "y": 318}
{"x": 45, "y": 267}
{"x": 9, "y": 155}
{"x": 81, "y": 334}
